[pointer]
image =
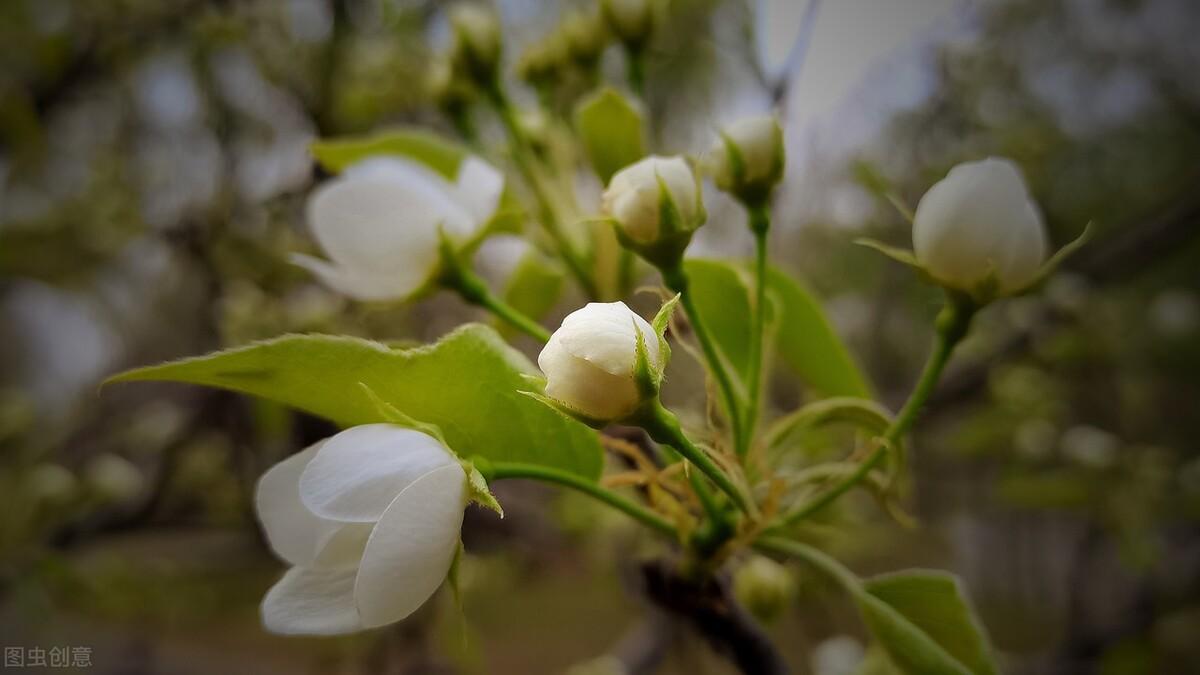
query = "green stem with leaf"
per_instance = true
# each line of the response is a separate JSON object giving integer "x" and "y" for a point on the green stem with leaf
{"x": 547, "y": 215}
{"x": 662, "y": 426}
{"x": 760, "y": 225}
{"x": 458, "y": 276}
{"x": 677, "y": 280}
{"x": 952, "y": 325}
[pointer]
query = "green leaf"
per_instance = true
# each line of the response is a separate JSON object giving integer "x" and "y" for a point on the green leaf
{"x": 804, "y": 339}
{"x": 533, "y": 289}
{"x": 611, "y": 130}
{"x": 466, "y": 384}
{"x": 925, "y": 623}
{"x": 437, "y": 152}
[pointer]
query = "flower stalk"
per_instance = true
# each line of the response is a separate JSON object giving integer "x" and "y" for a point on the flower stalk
{"x": 676, "y": 279}
{"x": 547, "y": 215}
{"x": 952, "y": 325}
{"x": 760, "y": 225}
{"x": 459, "y": 277}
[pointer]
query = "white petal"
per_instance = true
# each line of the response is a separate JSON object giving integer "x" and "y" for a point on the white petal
{"x": 293, "y": 532}
{"x": 358, "y": 472}
{"x": 410, "y": 551}
{"x": 604, "y": 334}
{"x": 383, "y": 220}
{"x": 360, "y": 286}
{"x": 312, "y": 602}
{"x": 478, "y": 188}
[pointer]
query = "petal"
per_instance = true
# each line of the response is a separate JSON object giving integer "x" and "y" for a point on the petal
{"x": 604, "y": 334}
{"x": 410, "y": 551}
{"x": 293, "y": 532}
{"x": 312, "y": 602}
{"x": 478, "y": 189}
{"x": 384, "y": 220}
{"x": 360, "y": 286}
{"x": 358, "y": 472}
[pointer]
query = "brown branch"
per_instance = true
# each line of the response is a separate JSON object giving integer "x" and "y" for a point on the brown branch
{"x": 707, "y": 606}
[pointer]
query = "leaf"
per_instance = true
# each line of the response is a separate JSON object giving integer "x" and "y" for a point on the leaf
{"x": 611, "y": 130}
{"x": 804, "y": 339}
{"x": 466, "y": 384}
{"x": 438, "y": 153}
{"x": 533, "y": 289}
{"x": 925, "y": 623}
{"x": 807, "y": 342}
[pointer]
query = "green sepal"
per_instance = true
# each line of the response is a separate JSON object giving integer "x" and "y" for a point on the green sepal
{"x": 1056, "y": 260}
{"x": 894, "y": 252}
{"x": 393, "y": 415}
{"x": 661, "y": 322}
{"x": 481, "y": 494}
{"x": 566, "y": 410}
{"x": 645, "y": 375}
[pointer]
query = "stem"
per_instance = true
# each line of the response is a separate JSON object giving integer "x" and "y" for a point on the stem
{"x": 676, "y": 279}
{"x": 663, "y": 427}
{"x": 818, "y": 559}
{"x": 760, "y": 224}
{"x": 503, "y": 470}
{"x": 546, "y": 213}
{"x": 636, "y": 62}
{"x": 952, "y": 326}
{"x": 459, "y": 277}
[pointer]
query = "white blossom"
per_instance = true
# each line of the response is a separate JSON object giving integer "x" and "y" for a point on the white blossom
{"x": 978, "y": 221}
{"x": 758, "y": 141}
{"x": 633, "y": 197}
{"x": 378, "y": 223}
{"x": 589, "y": 361}
{"x": 370, "y": 519}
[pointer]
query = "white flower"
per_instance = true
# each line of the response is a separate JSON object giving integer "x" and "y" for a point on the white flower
{"x": 632, "y": 197}
{"x": 589, "y": 361}
{"x": 758, "y": 141}
{"x": 370, "y": 521}
{"x": 980, "y": 220}
{"x": 378, "y": 223}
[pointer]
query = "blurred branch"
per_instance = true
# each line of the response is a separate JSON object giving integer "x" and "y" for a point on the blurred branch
{"x": 708, "y": 606}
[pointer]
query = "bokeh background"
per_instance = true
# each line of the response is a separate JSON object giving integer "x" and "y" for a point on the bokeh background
{"x": 153, "y": 169}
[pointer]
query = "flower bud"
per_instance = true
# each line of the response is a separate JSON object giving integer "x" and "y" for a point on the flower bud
{"x": 590, "y": 361}
{"x": 977, "y": 227}
{"x": 764, "y": 586}
{"x": 632, "y": 21}
{"x": 585, "y": 38}
{"x": 656, "y": 204}
{"x": 477, "y": 41}
{"x": 747, "y": 160}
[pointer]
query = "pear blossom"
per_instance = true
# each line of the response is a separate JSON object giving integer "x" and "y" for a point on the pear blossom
{"x": 379, "y": 220}
{"x": 977, "y": 222}
{"x": 589, "y": 361}
{"x": 370, "y": 521}
{"x": 634, "y": 198}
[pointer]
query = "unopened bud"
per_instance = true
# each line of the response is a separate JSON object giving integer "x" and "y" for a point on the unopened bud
{"x": 747, "y": 160}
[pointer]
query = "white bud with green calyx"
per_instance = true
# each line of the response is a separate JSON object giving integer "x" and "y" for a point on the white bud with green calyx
{"x": 747, "y": 160}
{"x": 655, "y": 205}
{"x": 979, "y": 234}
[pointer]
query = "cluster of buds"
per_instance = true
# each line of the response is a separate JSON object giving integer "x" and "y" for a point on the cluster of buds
{"x": 477, "y": 43}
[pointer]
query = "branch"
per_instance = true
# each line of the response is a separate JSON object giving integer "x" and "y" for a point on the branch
{"x": 708, "y": 606}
